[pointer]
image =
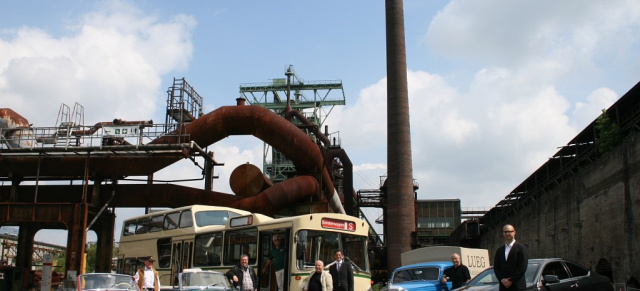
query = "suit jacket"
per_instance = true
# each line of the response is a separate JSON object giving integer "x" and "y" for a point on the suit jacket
{"x": 513, "y": 267}
{"x": 343, "y": 278}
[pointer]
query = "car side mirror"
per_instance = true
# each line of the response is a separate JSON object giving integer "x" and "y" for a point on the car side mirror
{"x": 548, "y": 279}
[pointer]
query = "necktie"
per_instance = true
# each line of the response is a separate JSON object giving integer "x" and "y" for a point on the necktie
{"x": 339, "y": 266}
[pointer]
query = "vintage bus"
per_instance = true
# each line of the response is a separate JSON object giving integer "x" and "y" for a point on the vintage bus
{"x": 213, "y": 238}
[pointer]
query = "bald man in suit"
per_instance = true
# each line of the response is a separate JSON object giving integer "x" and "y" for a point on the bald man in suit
{"x": 510, "y": 262}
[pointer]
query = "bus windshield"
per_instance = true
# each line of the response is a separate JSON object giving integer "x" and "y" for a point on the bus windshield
{"x": 320, "y": 245}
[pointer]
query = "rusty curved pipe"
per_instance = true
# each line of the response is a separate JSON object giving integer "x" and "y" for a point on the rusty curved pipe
{"x": 295, "y": 113}
{"x": 284, "y": 193}
{"x": 269, "y": 127}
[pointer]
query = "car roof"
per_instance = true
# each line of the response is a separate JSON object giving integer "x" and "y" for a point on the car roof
{"x": 426, "y": 264}
{"x": 545, "y": 260}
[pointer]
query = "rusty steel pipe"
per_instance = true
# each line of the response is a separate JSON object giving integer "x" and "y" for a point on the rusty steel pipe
{"x": 269, "y": 201}
{"x": 247, "y": 180}
{"x": 269, "y": 127}
{"x": 307, "y": 123}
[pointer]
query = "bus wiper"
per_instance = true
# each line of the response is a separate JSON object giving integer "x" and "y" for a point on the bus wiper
{"x": 353, "y": 264}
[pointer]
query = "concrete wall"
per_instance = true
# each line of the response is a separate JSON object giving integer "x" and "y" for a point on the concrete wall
{"x": 591, "y": 218}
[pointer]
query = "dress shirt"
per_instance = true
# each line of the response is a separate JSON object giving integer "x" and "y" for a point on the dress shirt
{"x": 507, "y": 249}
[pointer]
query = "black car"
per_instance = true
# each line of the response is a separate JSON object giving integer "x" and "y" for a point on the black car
{"x": 547, "y": 274}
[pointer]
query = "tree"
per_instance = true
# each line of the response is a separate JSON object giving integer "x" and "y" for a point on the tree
{"x": 59, "y": 262}
{"x": 608, "y": 133}
{"x": 91, "y": 258}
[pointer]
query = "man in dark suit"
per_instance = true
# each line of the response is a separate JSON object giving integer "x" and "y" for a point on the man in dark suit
{"x": 510, "y": 262}
{"x": 341, "y": 273}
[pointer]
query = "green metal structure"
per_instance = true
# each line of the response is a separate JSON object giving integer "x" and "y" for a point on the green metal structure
{"x": 314, "y": 99}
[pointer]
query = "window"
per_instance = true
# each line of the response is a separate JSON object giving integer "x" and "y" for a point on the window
{"x": 130, "y": 266}
{"x": 240, "y": 242}
{"x": 576, "y": 271}
{"x": 530, "y": 274}
{"x": 320, "y": 245}
{"x": 420, "y": 274}
{"x": 143, "y": 226}
{"x": 156, "y": 223}
{"x": 164, "y": 252}
{"x": 435, "y": 222}
{"x": 402, "y": 276}
{"x": 129, "y": 228}
{"x": 486, "y": 278}
{"x": 557, "y": 269}
{"x": 186, "y": 220}
{"x": 208, "y": 250}
{"x": 171, "y": 220}
{"x": 217, "y": 217}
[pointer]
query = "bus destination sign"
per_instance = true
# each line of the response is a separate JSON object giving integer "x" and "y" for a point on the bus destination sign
{"x": 338, "y": 224}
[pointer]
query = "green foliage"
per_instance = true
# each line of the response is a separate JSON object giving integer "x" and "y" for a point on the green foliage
{"x": 608, "y": 133}
{"x": 91, "y": 258}
{"x": 59, "y": 262}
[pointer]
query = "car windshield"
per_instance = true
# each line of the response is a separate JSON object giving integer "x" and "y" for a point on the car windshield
{"x": 486, "y": 277}
{"x": 530, "y": 274}
{"x": 96, "y": 281}
{"x": 420, "y": 274}
{"x": 204, "y": 279}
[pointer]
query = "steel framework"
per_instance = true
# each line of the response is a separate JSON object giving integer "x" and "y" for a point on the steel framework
{"x": 314, "y": 99}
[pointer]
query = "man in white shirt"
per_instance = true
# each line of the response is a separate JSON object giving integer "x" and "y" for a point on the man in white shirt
{"x": 147, "y": 277}
{"x": 510, "y": 262}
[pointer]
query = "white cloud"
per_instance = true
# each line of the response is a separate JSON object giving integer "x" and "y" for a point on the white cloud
{"x": 476, "y": 145}
{"x": 111, "y": 63}
{"x": 509, "y": 33}
{"x": 585, "y": 112}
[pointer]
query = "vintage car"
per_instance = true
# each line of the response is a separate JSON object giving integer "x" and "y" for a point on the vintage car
{"x": 197, "y": 279}
{"x": 422, "y": 276}
{"x": 546, "y": 274}
{"x": 101, "y": 281}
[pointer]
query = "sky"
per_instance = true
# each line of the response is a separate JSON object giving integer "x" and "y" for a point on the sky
{"x": 495, "y": 86}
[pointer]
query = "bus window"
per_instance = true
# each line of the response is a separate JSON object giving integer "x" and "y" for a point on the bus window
{"x": 214, "y": 217}
{"x": 164, "y": 253}
{"x": 353, "y": 248}
{"x": 171, "y": 220}
{"x": 186, "y": 220}
{"x": 142, "y": 226}
{"x": 186, "y": 254}
{"x": 320, "y": 245}
{"x": 156, "y": 223}
{"x": 129, "y": 228}
{"x": 129, "y": 266}
{"x": 240, "y": 242}
{"x": 208, "y": 248}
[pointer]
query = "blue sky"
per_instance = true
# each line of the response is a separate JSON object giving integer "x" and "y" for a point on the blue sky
{"x": 495, "y": 86}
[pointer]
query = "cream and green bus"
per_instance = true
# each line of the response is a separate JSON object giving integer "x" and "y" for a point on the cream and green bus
{"x": 213, "y": 238}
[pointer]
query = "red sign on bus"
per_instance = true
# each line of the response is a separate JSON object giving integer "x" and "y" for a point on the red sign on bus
{"x": 338, "y": 224}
